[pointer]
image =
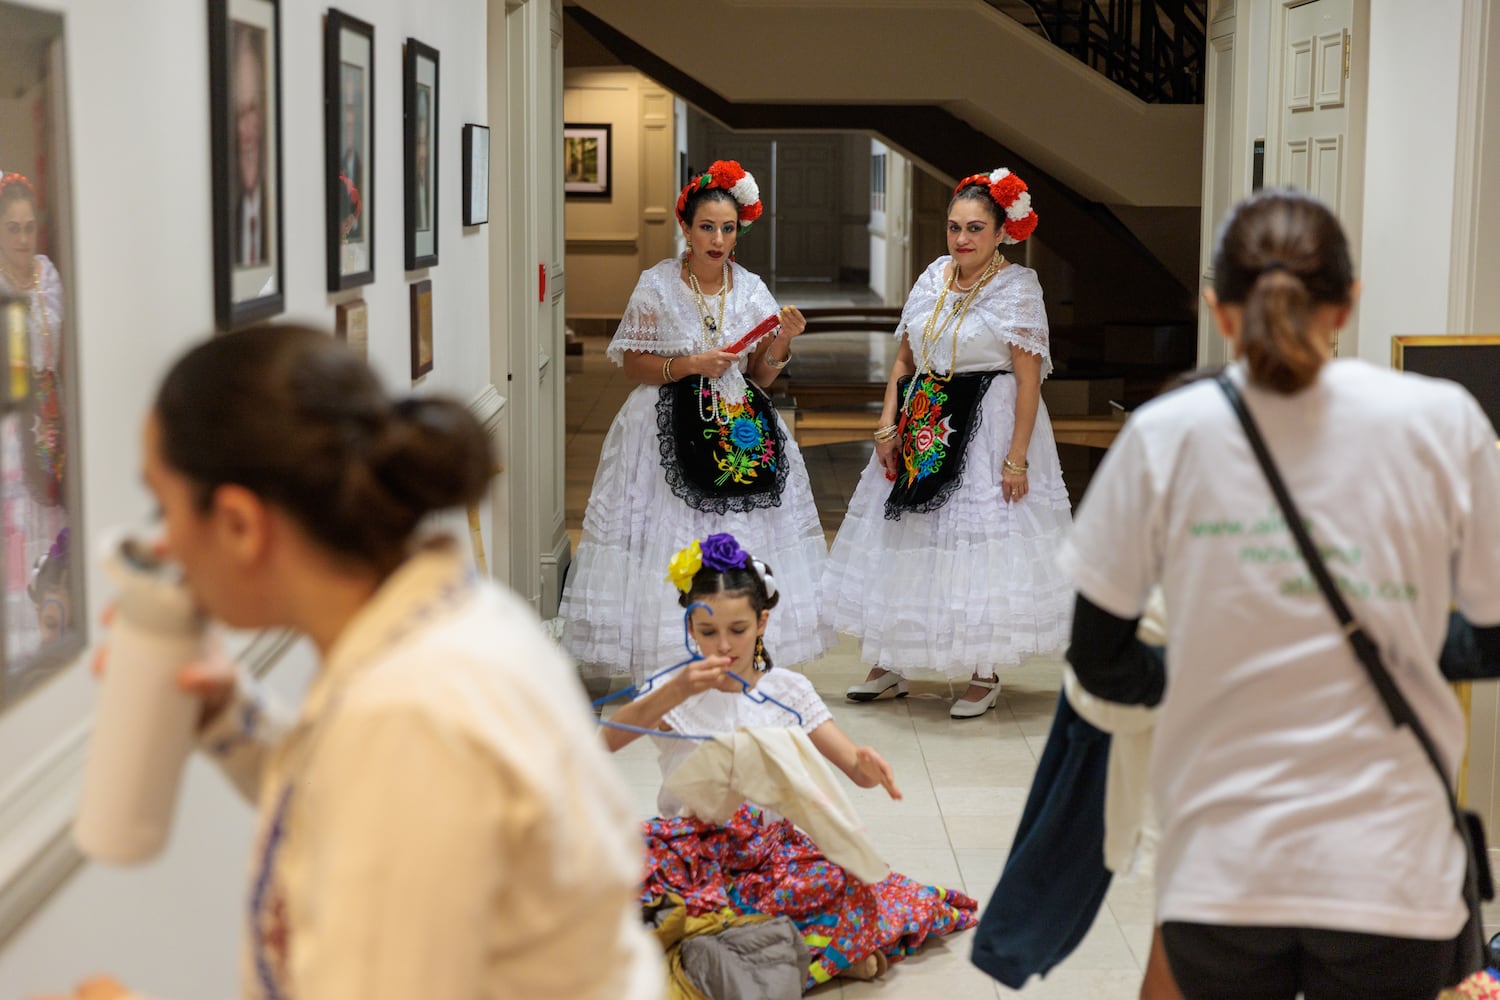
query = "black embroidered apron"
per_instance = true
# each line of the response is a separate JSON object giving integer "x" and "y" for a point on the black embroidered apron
{"x": 730, "y": 461}
{"x": 933, "y": 432}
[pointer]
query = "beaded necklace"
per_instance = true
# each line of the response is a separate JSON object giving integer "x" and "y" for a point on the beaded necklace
{"x": 33, "y": 293}
{"x": 717, "y": 411}
{"x": 712, "y": 328}
{"x": 936, "y": 326}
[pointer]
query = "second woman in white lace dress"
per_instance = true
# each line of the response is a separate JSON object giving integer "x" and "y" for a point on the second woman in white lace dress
{"x": 697, "y": 449}
{"x": 945, "y": 563}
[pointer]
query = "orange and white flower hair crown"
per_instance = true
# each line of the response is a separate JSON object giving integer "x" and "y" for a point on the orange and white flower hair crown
{"x": 735, "y": 179}
{"x": 1009, "y": 192}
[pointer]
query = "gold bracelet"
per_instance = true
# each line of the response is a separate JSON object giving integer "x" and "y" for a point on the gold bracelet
{"x": 887, "y": 433}
{"x": 1019, "y": 470}
{"x": 666, "y": 371}
{"x": 778, "y": 365}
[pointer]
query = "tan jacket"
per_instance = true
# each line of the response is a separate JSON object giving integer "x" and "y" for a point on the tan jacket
{"x": 441, "y": 821}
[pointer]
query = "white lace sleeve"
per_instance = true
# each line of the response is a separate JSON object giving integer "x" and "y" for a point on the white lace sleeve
{"x": 47, "y": 340}
{"x": 647, "y": 325}
{"x": 761, "y": 302}
{"x": 1026, "y": 323}
{"x": 1014, "y": 311}
{"x": 800, "y": 697}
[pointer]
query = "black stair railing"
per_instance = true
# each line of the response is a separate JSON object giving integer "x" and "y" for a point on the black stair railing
{"x": 1154, "y": 48}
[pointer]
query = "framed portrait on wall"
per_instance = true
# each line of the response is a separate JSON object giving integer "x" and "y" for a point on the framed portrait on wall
{"x": 587, "y": 161}
{"x": 476, "y": 175}
{"x": 244, "y": 42}
{"x": 421, "y": 328}
{"x": 349, "y": 147}
{"x": 420, "y": 103}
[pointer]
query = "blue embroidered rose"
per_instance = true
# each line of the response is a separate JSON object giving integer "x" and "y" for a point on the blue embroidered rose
{"x": 745, "y": 433}
{"x": 723, "y": 553}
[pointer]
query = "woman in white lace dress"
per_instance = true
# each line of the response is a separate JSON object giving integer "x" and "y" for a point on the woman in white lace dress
{"x": 696, "y": 449}
{"x": 32, "y": 437}
{"x": 945, "y": 562}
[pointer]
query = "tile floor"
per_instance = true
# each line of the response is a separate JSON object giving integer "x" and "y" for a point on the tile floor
{"x": 964, "y": 783}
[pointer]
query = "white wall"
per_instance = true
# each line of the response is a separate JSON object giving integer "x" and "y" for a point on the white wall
{"x": 138, "y": 92}
{"x": 1411, "y": 136}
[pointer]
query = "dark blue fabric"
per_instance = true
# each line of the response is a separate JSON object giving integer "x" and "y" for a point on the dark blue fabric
{"x": 1054, "y": 881}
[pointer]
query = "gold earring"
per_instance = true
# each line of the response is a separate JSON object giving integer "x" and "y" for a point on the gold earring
{"x": 760, "y": 655}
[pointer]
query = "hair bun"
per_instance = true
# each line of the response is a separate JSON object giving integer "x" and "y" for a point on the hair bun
{"x": 431, "y": 454}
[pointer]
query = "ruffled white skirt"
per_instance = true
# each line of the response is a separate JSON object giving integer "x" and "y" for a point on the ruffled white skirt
{"x": 621, "y": 614}
{"x": 971, "y": 586}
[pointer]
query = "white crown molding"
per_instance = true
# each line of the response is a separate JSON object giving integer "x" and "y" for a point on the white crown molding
{"x": 487, "y": 407}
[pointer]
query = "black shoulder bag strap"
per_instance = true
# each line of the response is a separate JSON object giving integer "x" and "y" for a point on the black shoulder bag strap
{"x": 1478, "y": 883}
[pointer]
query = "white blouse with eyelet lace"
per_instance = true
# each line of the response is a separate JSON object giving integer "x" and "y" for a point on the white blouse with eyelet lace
{"x": 1006, "y": 313}
{"x": 663, "y": 318}
{"x": 714, "y": 712}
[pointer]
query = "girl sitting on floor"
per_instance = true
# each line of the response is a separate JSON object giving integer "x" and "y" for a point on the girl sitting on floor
{"x": 759, "y": 862}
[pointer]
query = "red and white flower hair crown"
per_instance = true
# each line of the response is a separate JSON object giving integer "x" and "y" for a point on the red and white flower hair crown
{"x": 732, "y": 177}
{"x": 20, "y": 179}
{"x": 1010, "y": 193}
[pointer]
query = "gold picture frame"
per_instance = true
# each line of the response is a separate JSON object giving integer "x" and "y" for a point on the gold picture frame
{"x": 1471, "y": 377}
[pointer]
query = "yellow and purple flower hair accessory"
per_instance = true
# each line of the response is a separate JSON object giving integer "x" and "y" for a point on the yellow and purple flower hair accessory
{"x": 684, "y": 566}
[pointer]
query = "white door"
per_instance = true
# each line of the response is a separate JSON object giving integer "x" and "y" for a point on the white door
{"x": 1315, "y": 118}
{"x": 1314, "y": 103}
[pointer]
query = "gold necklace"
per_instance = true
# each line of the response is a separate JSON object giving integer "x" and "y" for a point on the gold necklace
{"x": 34, "y": 287}
{"x": 17, "y": 284}
{"x": 713, "y": 328}
{"x": 932, "y": 332}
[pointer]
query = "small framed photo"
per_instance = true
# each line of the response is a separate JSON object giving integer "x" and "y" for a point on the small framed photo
{"x": 587, "y": 159}
{"x": 244, "y": 41}
{"x": 420, "y": 103}
{"x": 352, "y": 326}
{"x": 349, "y": 145}
{"x": 421, "y": 328}
{"x": 476, "y": 175}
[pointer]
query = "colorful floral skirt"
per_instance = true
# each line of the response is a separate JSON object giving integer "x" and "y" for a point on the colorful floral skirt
{"x": 754, "y": 866}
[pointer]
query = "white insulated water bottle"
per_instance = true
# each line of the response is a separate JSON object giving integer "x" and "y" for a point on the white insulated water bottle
{"x": 144, "y": 724}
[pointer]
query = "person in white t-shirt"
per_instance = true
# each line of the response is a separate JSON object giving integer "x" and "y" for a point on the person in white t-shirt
{"x": 438, "y": 820}
{"x": 1307, "y": 844}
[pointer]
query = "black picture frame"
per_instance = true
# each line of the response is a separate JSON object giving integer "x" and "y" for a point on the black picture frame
{"x": 244, "y": 87}
{"x": 419, "y": 86}
{"x": 348, "y": 149}
{"x": 476, "y": 175}
{"x": 588, "y": 160}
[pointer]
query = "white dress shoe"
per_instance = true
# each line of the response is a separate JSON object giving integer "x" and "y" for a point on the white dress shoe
{"x": 965, "y": 709}
{"x": 870, "y": 690}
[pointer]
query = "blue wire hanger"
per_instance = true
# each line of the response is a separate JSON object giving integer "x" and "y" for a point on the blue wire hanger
{"x": 636, "y": 690}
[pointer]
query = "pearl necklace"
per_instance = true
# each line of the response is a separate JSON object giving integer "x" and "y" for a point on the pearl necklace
{"x": 717, "y": 411}
{"x": 16, "y": 283}
{"x": 712, "y": 328}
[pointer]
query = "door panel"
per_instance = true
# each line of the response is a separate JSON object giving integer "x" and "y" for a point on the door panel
{"x": 1314, "y": 109}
